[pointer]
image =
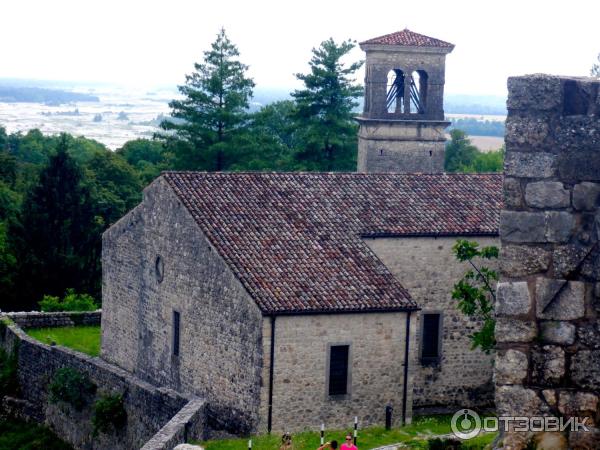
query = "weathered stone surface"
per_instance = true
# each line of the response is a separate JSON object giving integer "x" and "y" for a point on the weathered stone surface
{"x": 549, "y": 396}
{"x": 558, "y": 332}
{"x": 583, "y": 165}
{"x": 577, "y": 404}
{"x": 530, "y": 165}
{"x": 511, "y": 367}
{"x": 523, "y": 226}
{"x": 548, "y": 365}
{"x": 513, "y": 194}
{"x": 547, "y": 194}
{"x": 526, "y": 132}
{"x": 513, "y": 330}
{"x": 585, "y": 369}
{"x": 513, "y": 299}
{"x": 585, "y": 440}
{"x": 589, "y": 335}
{"x": 550, "y": 440}
{"x": 517, "y": 401}
{"x": 559, "y": 226}
{"x": 559, "y": 299}
{"x": 568, "y": 259}
{"x": 519, "y": 260}
{"x": 585, "y": 196}
{"x": 534, "y": 93}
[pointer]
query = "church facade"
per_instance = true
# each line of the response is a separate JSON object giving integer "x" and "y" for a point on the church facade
{"x": 288, "y": 300}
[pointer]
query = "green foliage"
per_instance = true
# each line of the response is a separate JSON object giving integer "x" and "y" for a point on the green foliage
{"x": 72, "y": 301}
{"x": 109, "y": 413}
{"x": 475, "y": 291}
{"x": 9, "y": 383}
{"x": 462, "y": 156}
{"x": 324, "y": 109}
{"x": 213, "y": 110}
{"x": 82, "y": 338}
{"x": 595, "y": 70}
{"x": 60, "y": 206}
{"x": 15, "y": 434}
{"x": 71, "y": 386}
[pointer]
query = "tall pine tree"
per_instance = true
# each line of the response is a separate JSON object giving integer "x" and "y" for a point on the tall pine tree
{"x": 59, "y": 234}
{"x": 325, "y": 108}
{"x": 209, "y": 117}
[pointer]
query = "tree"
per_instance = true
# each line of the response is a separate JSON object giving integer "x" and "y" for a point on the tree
{"x": 59, "y": 234}
{"x": 325, "y": 108}
{"x": 460, "y": 153}
{"x": 475, "y": 291}
{"x": 214, "y": 106}
{"x": 595, "y": 71}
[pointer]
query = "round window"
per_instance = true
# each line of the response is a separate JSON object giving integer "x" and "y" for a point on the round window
{"x": 159, "y": 269}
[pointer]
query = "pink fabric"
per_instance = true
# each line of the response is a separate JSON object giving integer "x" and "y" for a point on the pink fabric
{"x": 348, "y": 447}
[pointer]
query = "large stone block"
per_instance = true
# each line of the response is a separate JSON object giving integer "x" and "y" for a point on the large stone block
{"x": 511, "y": 367}
{"x": 534, "y": 93}
{"x": 513, "y": 195}
{"x": 548, "y": 226}
{"x": 589, "y": 335}
{"x": 577, "y": 404}
{"x": 585, "y": 369}
{"x": 513, "y": 299}
{"x": 558, "y": 332}
{"x": 582, "y": 165}
{"x": 548, "y": 365}
{"x": 519, "y": 260}
{"x": 526, "y": 132}
{"x": 559, "y": 299}
{"x": 568, "y": 259}
{"x": 547, "y": 194}
{"x": 517, "y": 401}
{"x": 512, "y": 330}
{"x": 585, "y": 196}
{"x": 529, "y": 165}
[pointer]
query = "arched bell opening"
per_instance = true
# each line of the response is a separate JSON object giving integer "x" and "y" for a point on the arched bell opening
{"x": 418, "y": 91}
{"x": 395, "y": 91}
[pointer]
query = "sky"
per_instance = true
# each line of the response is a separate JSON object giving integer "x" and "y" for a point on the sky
{"x": 147, "y": 43}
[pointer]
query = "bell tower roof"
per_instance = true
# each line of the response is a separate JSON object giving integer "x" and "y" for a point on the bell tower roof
{"x": 407, "y": 38}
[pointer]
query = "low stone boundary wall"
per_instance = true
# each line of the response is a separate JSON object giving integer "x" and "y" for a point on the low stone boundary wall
{"x": 148, "y": 408}
{"x": 189, "y": 421}
{"x": 36, "y": 319}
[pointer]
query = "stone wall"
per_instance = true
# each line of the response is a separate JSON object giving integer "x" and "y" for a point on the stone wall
{"x": 300, "y": 395}
{"x": 548, "y": 329}
{"x": 148, "y": 408}
{"x": 428, "y": 269}
{"x": 36, "y": 319}
{"x": 156, "y": 261}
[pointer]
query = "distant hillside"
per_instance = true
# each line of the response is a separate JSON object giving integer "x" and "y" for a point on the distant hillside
{"x": 475, "y": 104}
{"x": 13, "y": 94}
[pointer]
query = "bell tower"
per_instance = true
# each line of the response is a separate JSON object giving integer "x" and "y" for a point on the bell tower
{"x": 402, "y": 125}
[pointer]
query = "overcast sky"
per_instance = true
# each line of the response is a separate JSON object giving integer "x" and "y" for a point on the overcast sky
{"x": 156, "y": 42}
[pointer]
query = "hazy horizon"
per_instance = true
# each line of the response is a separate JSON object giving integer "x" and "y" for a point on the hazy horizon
{"x": 151, "y": 44}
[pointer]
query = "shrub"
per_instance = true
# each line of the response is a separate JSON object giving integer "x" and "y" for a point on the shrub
{"x": 109, "y": 412}
{"x": 71, "y": 386}
{"x": 9, "y": 383}
{"x": 70, "y": 302}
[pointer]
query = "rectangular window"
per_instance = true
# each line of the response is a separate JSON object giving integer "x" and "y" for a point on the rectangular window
{"x": 430, "y": 338}
{"x": 176, "y": 321}
{"x": 338, "y": 369}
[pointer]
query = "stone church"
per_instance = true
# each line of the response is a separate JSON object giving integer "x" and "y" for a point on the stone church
{"x": 288, "y": 300}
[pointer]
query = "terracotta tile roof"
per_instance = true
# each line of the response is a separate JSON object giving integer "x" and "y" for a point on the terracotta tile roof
{"x": 294, "y": 239}
{"x": 408, "y": 38}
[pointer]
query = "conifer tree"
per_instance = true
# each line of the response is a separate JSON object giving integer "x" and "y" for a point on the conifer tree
{"x": 325, "y": 108}
{"x": 213, "y": 111}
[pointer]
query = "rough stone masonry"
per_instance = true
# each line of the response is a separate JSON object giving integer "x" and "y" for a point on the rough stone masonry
{"x": 548, "y": 301}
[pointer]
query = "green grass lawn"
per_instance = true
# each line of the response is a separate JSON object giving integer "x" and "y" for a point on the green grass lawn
{"x": 83, "y": 338}
{"x": 414, "y": 435}
{"x": 17, "y": 435}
